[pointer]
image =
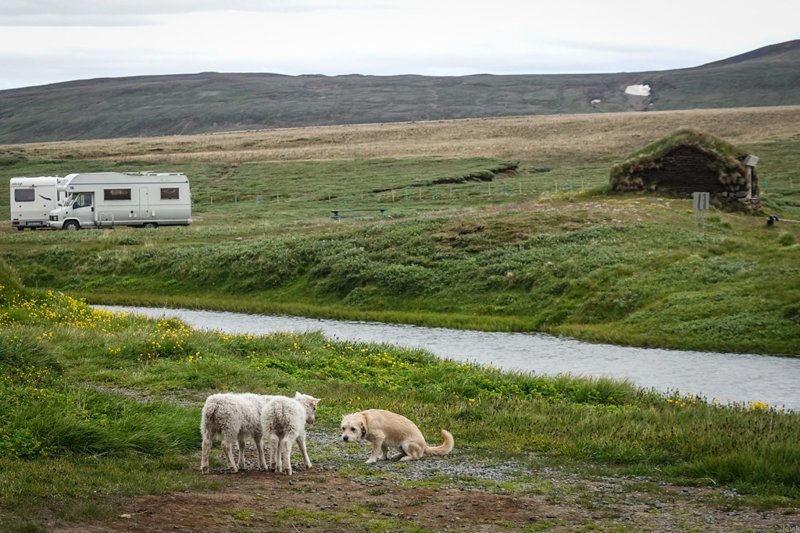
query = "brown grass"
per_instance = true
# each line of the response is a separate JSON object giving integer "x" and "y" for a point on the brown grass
{"x": 533, "y": 137}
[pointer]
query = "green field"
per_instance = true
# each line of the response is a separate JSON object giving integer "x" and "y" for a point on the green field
{"x": 479, "y": 243}
{"x": 95, "y": 403}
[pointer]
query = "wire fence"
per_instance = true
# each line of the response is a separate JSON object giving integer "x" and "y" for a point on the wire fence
{"x": 407, "y": 194}
{"x": 441, "y": 193}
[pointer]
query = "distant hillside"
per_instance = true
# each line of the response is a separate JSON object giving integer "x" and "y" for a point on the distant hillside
{"x": 210, "y": 102}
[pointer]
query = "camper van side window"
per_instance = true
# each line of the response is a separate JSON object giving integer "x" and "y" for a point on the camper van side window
{"x": 170, "y": 193}
{"x": 24, "y": 195}
{"x": 116, "y": 194}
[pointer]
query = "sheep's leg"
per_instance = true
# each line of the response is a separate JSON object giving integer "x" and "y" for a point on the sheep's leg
{"x": 241, "y": 453}
{"x": 227, "y": 450}
{"x": 260, "y": 447}
{"x": 301, "y": 443}
{"x": 275, "y": 453}
{"x": 207, "y": 443}
{"x": 286, "y": 453}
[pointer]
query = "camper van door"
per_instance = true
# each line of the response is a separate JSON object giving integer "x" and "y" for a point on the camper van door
{"x": 144, "y": 203}
{"x": 83, "y": 208}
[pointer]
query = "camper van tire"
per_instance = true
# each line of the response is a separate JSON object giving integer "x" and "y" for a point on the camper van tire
{"x": 150, "y": 225}
{"x": 72, "y": 225}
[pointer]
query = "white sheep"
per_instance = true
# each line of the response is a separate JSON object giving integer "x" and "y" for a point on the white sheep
{"x": 284, "y": 422}
{"x": 235, "y": 416}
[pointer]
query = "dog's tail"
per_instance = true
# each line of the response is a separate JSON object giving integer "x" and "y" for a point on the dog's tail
{"x": 445, "y": 448}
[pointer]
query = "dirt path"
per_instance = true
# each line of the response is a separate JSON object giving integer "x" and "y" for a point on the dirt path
{"x": 454, "y": 493}
{"x": 328, "y": 501}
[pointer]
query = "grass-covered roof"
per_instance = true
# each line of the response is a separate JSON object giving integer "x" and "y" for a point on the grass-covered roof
{"x": 647, "y": 157}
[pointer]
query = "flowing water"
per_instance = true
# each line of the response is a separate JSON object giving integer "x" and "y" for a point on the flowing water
{"x": 726, "y": 377}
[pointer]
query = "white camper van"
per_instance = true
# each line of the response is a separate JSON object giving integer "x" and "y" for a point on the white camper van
{"x": 107, "y": 199}
{"x": 32, "y": 199}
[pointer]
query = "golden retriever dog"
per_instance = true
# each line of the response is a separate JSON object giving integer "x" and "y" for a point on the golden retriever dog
{"x": 385, "y": 429}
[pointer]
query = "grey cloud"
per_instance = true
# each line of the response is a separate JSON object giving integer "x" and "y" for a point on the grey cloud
{"x": 26, "y": 70}
{"x": 96, "y": 20}
{"x": 138, "y": 12}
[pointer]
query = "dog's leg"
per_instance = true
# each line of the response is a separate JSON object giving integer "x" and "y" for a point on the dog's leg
{"x": 412, "y": 451}
{"x": 377, "y": 450}
{"x": 400, "y": 455}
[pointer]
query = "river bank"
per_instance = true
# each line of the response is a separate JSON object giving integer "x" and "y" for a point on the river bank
{"x": 105, "y": 403}
{"x": 717, "y": 377}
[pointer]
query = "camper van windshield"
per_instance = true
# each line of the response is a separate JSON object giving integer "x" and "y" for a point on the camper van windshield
{"x": 79, "y": 199}
{"x": 83, "y": 199}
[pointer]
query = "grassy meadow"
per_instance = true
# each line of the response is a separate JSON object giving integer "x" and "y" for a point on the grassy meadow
{"x": 98, "y": 403}
{"x": 502, "y": 224}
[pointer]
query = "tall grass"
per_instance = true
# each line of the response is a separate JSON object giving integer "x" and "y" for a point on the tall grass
{"x": 95, "y": 403}
{"x": 604, "y": 274}
{"x": 539, "y": 247}
{"x": 101, "y": 383}
{"x": 539, "y": 138}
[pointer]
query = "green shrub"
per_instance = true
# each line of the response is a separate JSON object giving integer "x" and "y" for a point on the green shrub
{"x": 786, "y": 239}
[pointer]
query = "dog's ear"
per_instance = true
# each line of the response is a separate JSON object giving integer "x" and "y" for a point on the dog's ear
{"x": 363, "y": 430}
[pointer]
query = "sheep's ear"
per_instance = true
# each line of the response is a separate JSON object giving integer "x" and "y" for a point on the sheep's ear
{"x": 297, "y": 395}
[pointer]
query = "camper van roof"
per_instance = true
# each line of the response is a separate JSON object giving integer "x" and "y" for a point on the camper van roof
{"x": 151, "y": 173}
{"x": 29, "y": 180}
{"x": 144, "y": 173}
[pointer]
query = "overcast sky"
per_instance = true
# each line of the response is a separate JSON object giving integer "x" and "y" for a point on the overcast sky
{"x": 46, "y": 41}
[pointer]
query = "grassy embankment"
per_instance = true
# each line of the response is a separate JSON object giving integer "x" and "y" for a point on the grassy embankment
{"x": 540, "y": 248}
{"x": 95, "y": 403}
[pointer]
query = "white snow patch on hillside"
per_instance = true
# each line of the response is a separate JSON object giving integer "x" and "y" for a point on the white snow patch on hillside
{"x": 638, "y": 90}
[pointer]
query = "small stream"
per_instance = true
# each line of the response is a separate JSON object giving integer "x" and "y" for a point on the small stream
{"x": 726, "y": 377}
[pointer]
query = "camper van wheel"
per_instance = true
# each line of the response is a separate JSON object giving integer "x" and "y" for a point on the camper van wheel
{"x": 150, "y": 225}
{"x": 72, "y": 225}
{"x": 20, "y": 228}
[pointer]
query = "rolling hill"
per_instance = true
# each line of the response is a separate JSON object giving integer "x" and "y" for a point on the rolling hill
{"x": 213, "y": 102}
